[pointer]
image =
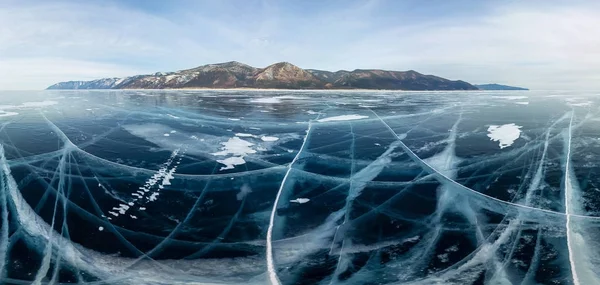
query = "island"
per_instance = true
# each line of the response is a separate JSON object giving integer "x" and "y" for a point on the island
{"x": 282, "y": 75}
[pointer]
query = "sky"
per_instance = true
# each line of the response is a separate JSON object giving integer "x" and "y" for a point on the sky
{"x": 536, "y": 44}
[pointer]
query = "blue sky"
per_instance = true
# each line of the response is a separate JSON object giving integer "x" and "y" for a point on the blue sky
{"x": 537, "y": 44}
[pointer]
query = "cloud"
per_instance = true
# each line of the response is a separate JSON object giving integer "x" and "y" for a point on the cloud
{"x": 539, "y": 47}
{"x": 542, "y": 47}
{"x": 39, "y": 73}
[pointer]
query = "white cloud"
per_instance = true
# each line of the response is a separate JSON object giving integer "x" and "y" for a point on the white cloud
{"x": 540, "y": 48}
{"x": 39, "y": 73}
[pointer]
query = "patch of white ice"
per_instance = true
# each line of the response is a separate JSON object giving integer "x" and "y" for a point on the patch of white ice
{"x": 244, "y": 135}
{"x": 236, "y": 146}
{"x": 26, "y": 105}
{"x": 38, "y": 104}
{"x": 342, "y": 118}
{"x": 154, "y": 196}
{"x": 266, "y": 100}
{"x": 581, "y": 104}
{"x": 505, "y": 134}
{"x": 231, "y": 162}
{"x": 300, "y": 200}
{"x": 269, "y": 139}
{"x": 7, "y": 114}
{"x": 511, "y": 97}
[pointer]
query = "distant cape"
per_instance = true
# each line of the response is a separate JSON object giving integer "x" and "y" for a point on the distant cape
{"x": 282, "y": 75}
{"x": 494, "y": 86}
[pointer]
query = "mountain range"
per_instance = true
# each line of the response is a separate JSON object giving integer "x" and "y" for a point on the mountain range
{"x": 282, "y": 75}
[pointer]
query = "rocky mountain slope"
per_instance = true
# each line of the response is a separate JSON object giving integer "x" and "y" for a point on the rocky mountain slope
{"x": 281, "y": 75}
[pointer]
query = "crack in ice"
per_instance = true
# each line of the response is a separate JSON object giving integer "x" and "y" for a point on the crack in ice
{"x": 274, "y": 279}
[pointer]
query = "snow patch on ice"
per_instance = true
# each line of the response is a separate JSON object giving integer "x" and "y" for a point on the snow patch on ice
{"x": 153, "y": 184}
{"x": 505, "y": 134}
{"x": 26, "y": 105}
{"x": 269, "y": 139}
{"x": 37, "y": 104}
{"x": 7, "y": 114}
{"x": 581, "y": 104}
{"x": 154, "y": 196}
{"x": 291, "y": 97}
{"x": 300, "y": 200}
{"x": 266, "y": 100}
{"x": 231, "y": 162}
{"x": 236, "y": 146}
{"x": 343, "y": 118}
{"x": 511, "y": 97}
{"x": 244, "y": 135}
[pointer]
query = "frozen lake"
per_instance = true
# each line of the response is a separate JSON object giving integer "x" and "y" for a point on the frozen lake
{"x": 299, "y": 187}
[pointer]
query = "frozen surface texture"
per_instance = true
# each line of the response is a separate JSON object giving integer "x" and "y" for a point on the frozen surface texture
{"x": 298, "y": 187}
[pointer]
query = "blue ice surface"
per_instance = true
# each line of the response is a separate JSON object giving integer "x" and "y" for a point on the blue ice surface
{"x": 299, "y": 187}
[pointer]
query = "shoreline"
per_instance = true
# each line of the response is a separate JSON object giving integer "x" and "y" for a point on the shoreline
{"x": 283, "y": 90}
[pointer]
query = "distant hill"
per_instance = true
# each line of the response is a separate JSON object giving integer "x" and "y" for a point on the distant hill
{"x": 498, "y": 87}
{"x": 282, "y": 75}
